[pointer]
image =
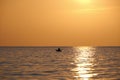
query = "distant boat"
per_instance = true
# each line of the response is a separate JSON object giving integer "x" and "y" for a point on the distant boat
{"x": 58, "y": 50}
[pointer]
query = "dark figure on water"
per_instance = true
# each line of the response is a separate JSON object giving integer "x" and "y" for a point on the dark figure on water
{"x": 59, "y": 50}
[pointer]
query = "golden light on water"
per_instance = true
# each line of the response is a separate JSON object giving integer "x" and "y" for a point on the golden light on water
{"x": 84, "y": 60}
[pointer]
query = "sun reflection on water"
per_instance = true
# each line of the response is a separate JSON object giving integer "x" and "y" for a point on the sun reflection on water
{"x": 84, "y": 61}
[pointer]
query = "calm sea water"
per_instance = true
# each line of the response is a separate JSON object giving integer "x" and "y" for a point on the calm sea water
{"x": 73, "y": 63}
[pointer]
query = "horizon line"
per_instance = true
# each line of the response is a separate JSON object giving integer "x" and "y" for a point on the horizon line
{"x": 50, "y": 46}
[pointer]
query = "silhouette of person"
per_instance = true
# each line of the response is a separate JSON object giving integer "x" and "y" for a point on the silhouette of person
{"x": 59, "y": 50}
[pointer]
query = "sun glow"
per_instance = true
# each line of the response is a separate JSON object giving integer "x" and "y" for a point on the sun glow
{"x": 85, "y": 1}
{"x": 86, "y": 4}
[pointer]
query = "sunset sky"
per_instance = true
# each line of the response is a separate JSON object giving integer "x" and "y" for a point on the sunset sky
{"x": 59, "y": 22}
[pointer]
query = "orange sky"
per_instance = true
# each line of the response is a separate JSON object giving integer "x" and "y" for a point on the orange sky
{"x": 59, "y": 22}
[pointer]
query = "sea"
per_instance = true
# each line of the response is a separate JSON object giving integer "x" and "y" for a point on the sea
{"x": 72, "y": 63}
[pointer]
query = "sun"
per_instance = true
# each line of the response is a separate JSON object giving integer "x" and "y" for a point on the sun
{"x": 85, "y": 2}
